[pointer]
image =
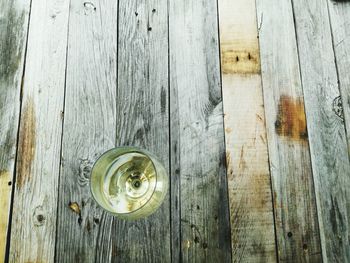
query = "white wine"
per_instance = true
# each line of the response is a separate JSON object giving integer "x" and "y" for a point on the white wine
{"x": 129, "y": 182}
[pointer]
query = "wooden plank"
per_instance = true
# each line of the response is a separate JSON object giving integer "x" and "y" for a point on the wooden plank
{"x": 295, "y": 209}
{"x": 13, "y": 34}
{"x": 327, "y": 136}
{"x": 142, "y": 120}
{"x": 34, "y": 222}
{"x": 251, "y": 211}
{"x": 197, "y": 136}
{"x": 339, "y": 13}
{"x": 89, "y": 127}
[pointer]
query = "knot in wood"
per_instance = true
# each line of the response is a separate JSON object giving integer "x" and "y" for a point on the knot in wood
{"x": 85, "y": 166}
{"x": 338, "y": 107}
{"x": 39, "y": 216}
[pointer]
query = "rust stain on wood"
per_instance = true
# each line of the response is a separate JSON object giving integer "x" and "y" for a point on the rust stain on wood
{"x": 291, "y": 120}
{"x": 239, "y": 61}
{"x": 242, "y": 162}
{"x": 27, "y": 141}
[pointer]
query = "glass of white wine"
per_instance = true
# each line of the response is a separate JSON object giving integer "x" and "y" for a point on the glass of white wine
{"x": 129, "y": 182}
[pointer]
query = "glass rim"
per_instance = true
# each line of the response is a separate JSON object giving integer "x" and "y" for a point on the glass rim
{"x": 136, "y": 150}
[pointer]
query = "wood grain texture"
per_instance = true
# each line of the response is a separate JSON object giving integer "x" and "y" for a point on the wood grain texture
{"x": 339, "y": 13}
{"x": 199, "y": 185}
{"x": 89, "y": 127}
{"x": 327, "y": 136}
{"x": 294, "y": 197}
{"x": 13, "y": 34}
{"x": 35, "y": 202}
{"x": 142, "y": 121}
{"x": 251, "y": 211}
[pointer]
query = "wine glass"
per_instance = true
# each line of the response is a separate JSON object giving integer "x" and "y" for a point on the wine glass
{"x": 129, "y": 182}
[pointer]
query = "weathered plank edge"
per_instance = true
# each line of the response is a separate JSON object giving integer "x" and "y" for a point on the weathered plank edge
{"x": 62, "y": 133}
{"x": 78, "y": 230}
{"x": 343, "y": 87}
{"x": 191, "y": 243}
{"x": 13, "y": 172}
{"x": 332, "y": 246}
{"x": 224, "y": 183}
{"x": 286, "y": 126}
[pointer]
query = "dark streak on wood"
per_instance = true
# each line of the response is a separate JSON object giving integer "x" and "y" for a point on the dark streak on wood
{"x": 10, "y": 53}
{"x": 163, "y": 100}
{"x": 27, "y": 140}
{"x": 291, "y": 121}
{"x": 335, "y": 216}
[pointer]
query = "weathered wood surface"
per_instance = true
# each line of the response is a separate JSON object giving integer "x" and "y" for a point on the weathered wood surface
{"x": 142, "y": 120}
{"x": 13, "y": 34}
{"x": 251, "y": 211}
{"x": 197, "y": 136}
{"x": 292, "y": 182}
{"x": 88, "y": 130}
{"x": 117, "y": 79}
{"x": 327, "y": 135}
{"x": 35, "y": 202}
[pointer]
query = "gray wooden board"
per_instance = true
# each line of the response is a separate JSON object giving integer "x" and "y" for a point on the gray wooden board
{"x": 142, "y": 120}
{"x": 35, "y": 201}
{"x": 89, "y": 127}
{"x": 327, "y": 137}
{"x": 340, "y": 25}
{"x": 13, "y": 34}
{"x": 135, "y": 113}
{"x": 199, "y": 185}
{"x": 339, "y": 13}
{"x": 292, "y": 182}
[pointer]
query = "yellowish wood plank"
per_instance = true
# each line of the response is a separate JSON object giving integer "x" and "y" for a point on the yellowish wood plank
{"x": 251, "y": 211}
{"x": 5, "y": 193}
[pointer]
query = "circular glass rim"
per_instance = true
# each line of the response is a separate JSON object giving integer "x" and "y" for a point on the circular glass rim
{"x": 135, "y": 150}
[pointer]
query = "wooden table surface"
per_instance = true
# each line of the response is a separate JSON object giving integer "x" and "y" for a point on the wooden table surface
{"x": 246, "y": 103}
